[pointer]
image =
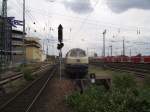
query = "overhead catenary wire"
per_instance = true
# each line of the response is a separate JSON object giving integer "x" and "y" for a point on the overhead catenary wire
{"x": 18, "y": 4}
{"x": 101, "y": 23}
{"x": 95, "y": 21}
{"x": 113, "y": 28}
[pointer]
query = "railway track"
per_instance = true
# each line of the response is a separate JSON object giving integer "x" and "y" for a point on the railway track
{"x": 18, "y": 75}
{"x": 138, "y": 66}
{"x": 138, "y": 72}
{"x": 23, "y": 100}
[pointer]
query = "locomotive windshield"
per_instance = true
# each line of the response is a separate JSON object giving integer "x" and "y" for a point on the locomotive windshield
{"x": 73, "y": 53}
{"x": 77, "y": 53}
{"x": 81, "y": 53}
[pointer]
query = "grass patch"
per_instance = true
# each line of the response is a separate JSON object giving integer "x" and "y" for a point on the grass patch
{"x": 124, "y": 96}
{"x": 123, "y": 81}
{"x": 99, "y": 71}
{"x": 147, "y": 81}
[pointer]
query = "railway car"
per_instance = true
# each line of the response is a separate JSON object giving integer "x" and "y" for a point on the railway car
{"x": 123, "y": 59}
{"x": 146, "y": 59}
{"x": 76, "y": 63}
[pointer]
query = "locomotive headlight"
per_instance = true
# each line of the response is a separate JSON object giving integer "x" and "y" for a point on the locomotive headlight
{"x": 92, "y": 77}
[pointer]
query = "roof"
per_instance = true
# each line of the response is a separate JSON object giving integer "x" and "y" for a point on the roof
{"x": 74, "y": 49}
{"x": 32, "y": 39}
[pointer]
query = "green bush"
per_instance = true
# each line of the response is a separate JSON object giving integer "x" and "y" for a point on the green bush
{"x": 19, "y": 68}
{"x": 88, "y": 101}
{"x": 124, "y": 96}
{"x": 27, "y": 72}
{"x": 123, "y": 81}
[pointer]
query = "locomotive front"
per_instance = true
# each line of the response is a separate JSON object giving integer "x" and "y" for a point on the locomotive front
{"x": 76, "y": 62}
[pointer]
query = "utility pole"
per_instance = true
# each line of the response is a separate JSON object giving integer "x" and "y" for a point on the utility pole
{"x": 4, "y": 8}
{"x": 123, "y": 53}
{"x": 52, "y": 41}
{"x": 94, "y": 50}
{"x": 4, "y": 56}
{"x": 4, "y": 16}
{"x": 111, "y": 50}
{"x": 43, "y": 46}
{"x": 108, "y": 51}
{"x": 87, "y": 52}
{"x": 24, "y": 32}
{"x": 104, "y": 34}
{"x": 47, "y": 51}
{"x": 130, "y": 52}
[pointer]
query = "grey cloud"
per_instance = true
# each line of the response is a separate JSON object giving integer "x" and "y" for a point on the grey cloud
{"x": 79, "y": 6}
{"x": 120, "y": 6}
{"x": 50, "y": 0}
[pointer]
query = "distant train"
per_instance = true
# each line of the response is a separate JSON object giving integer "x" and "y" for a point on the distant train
{"x": 125, "y": 59}
{"x": 76, "y": 63}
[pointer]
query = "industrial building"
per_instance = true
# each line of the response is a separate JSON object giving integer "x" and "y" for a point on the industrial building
{"x": 12, "y": 48}
{"x": 33, "y": 50}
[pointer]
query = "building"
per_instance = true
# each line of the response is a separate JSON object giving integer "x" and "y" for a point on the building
{"x": 17, "y": 47}
{"x": 5, "y": 41}
{"x": 33, "y": 50}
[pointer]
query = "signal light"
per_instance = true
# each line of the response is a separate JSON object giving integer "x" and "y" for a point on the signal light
{"x": 60, "y": 33}
{"x": 59, "y": 46}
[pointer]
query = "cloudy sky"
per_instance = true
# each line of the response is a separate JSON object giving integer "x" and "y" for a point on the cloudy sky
{"x": 84, "y": 22}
